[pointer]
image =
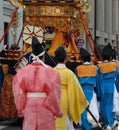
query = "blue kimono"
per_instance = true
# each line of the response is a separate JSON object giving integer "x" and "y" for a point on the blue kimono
{"x": 86, "y": 74}
{"x": 117, "y": 78}
{"x": 1, "y": 77}
{"x": 107, "y": 72}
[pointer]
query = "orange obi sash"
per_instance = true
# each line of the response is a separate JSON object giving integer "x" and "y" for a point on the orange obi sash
{"x": 85, "y": 71}
{"x": 107, "y": 67}
{"x": 117, "y": 64}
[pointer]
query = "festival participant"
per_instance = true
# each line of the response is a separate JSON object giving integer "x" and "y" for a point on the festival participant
{"x": 1, "y": 77}
{"x": 107, "y": 72}
{"x": 27, "y": 59}
{"x": 73, "y": 101}
{"x": 7, "y": 72}
{"x": 116, "y": 90}
{"x": 86, "y": 74}
{"x": 37, "y": 92}
{"x": 7, "y": 106}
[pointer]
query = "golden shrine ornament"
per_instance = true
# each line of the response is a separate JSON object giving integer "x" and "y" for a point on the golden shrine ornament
{"x": 30, "y": 31}
{"x": 54, "y": 13}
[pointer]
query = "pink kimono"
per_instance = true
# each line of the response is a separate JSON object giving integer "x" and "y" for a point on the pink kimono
{"x": 37, "y": 92}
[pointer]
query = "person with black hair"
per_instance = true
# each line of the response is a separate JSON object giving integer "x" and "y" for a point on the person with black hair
{"x": 107, "y": 72}
{"x": 37, "y": 91}
{"x": 86, "y": 74}
{"x": 27, "y": 59}
{"x": 73, "y": 101}
{"x": 116, "y": 90}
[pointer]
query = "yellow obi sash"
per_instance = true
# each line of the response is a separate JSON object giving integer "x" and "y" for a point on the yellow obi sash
{"x": 84, "y": 71}
{"x": 107, "y": 67}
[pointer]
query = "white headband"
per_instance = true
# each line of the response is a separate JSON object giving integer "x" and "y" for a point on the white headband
{"x": 37, "y": 59}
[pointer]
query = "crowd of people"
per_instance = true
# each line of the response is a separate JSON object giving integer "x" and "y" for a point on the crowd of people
{"x": 58, "y": 98}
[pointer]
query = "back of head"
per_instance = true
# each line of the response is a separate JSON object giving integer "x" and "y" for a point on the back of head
{"x": 60, "y": 54}
{"x": 85, "y": 55}
{"x": 113, "y": 54}
{"x": 37, "y": 48}
{"x": 107, "y": 52}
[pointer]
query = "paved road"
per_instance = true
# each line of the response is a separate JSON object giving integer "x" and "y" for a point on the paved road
{"x": 9, "y": 125}
{"x": 12, "y": 125}
{"x": 10, "y": 128}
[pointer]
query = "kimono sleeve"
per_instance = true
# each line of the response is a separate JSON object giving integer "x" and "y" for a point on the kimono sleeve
{"x": 53, "y": 99}
{"x": 99, "y": 85}
{"x": 18, "y": 93}
{"x": 77, "y": 99}
{"x": 117, "y": 82}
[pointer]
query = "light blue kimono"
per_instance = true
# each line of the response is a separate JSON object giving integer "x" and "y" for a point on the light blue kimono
{"x": 88, "y": 82}
{"x": 117, "y": 78}
{"x": 107, "y": 72}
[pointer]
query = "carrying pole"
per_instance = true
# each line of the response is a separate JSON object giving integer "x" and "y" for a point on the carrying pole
{"x": 10, "y": 23}
{"x": 89, "y": 37}
{"x": 17, "y": 44}
{"x": 96, "y": 49}
{"x": 87, "y": 33}
{"x": 98, "y": 123}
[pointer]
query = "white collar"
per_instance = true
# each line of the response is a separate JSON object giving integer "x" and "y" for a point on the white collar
{"x": 87, "y": 63}
{"x": 113, "y": 60}
{"x": 105, "y": 61}
{"x": 61, "y": 65}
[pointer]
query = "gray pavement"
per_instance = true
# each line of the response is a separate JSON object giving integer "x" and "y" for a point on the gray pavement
{"x": 11, "y": 128}
{"x": 12, "y": 125}
{"x": 9, "y": 125}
